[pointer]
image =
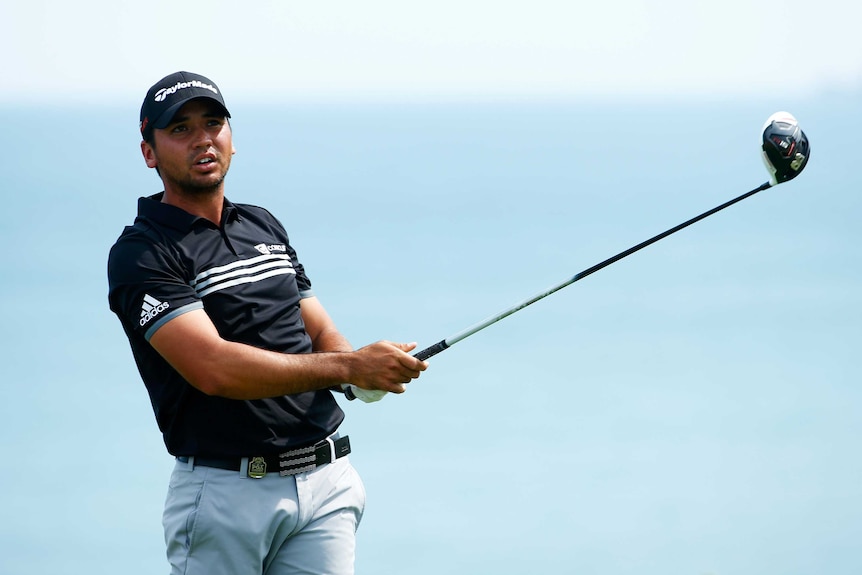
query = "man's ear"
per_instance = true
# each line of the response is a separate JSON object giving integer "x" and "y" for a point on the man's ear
{"x": 149, "y": 154}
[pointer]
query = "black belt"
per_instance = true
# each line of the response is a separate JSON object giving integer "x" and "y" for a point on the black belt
{"x": 288, "y": 463}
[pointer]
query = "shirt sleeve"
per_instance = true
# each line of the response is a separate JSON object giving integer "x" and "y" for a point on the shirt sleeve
{"x": 147, "y": 286}
{"x": 302, "y": 281}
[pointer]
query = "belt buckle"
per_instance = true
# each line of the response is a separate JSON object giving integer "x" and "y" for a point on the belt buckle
{"x": 257, "y": 467}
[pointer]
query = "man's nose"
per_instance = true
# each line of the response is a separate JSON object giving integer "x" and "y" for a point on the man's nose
{"x": 201, "y": 137}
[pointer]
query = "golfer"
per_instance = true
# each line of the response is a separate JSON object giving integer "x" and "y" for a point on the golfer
{"x": 239, "y": 358}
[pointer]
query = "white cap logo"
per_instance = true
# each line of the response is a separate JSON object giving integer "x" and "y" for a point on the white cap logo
{"x": 162, "y": 94}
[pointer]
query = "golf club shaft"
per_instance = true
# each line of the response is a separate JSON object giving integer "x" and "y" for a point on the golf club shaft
{"x": 452, "y": 340}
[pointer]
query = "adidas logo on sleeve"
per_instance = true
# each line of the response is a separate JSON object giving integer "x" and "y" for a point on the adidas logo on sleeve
{"x": 151, "y": 308}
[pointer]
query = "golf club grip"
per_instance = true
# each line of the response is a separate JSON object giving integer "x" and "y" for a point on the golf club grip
{"x": 431, "y": 351}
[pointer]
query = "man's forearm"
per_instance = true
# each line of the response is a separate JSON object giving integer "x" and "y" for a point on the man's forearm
{"x": 331, "y": 340}
{"x": 246, "y": 372}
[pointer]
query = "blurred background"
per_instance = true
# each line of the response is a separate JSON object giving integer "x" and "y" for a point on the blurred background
{"x": 692, "y": 409}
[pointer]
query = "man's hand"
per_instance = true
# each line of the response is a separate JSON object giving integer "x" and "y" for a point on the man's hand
{"x": 385, "y": 366}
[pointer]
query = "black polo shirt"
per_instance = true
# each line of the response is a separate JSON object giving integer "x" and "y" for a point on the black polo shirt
{"x": 247, "y": 278}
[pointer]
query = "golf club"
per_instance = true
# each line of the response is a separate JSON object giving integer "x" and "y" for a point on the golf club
{"x": 785, "y": 151}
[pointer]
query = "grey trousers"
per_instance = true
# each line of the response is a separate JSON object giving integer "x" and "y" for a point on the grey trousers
{"x": 223, "y": 522}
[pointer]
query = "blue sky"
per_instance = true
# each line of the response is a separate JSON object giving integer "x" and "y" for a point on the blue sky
{"x": 692, "y": 409}
{"x": 349, "y": 50}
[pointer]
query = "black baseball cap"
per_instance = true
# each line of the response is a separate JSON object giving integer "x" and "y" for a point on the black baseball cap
{"x": 169, "y": 94}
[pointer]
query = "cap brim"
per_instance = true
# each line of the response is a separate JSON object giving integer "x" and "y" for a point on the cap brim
{"x": 167, "y": 116}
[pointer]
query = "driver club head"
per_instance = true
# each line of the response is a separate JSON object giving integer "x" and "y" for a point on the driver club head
{"x": 785, "y": 147}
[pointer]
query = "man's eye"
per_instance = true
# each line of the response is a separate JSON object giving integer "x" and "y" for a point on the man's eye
{"x": 179, "y": 128}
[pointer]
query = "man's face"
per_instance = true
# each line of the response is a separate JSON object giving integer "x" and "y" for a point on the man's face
{"x": 193, "y": 152}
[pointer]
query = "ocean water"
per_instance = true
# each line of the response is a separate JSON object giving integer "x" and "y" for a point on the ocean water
{"x": 692, "y": 409}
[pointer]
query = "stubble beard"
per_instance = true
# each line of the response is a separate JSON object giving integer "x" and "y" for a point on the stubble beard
{"x": 192, "y": 188}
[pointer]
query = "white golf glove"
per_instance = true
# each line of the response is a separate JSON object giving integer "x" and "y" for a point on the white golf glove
{"x": 366, "y": 395}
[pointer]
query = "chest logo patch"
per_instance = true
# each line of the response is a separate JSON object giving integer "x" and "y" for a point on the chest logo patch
{"x": 267, "y": 249}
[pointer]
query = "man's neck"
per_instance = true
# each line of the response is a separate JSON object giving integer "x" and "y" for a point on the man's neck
{"x": 201, "y": 203}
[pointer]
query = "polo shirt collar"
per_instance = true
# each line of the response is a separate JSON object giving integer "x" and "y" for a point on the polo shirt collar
{"x": 153, "y": 209}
